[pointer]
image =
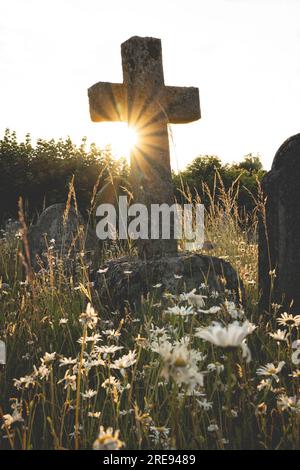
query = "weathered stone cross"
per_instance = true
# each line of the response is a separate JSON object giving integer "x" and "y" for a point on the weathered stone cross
{"x": 148, "y": 106}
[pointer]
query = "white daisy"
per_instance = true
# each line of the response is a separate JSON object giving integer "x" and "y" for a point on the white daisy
{"x": 270, "y": 370}
{"x": 230, "y": 336}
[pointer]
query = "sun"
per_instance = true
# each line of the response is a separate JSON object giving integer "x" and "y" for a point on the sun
{"x": 129, "y": 138}
{"x": 119, "y": 137}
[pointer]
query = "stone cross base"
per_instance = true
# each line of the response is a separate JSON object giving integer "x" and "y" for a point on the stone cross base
{"x": 126, "y": 280}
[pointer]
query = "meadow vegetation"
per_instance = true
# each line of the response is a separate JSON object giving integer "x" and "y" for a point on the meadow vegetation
{"x": 190, "y": 370}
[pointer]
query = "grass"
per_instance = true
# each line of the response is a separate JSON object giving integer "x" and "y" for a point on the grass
{"x": 78, "y": 375}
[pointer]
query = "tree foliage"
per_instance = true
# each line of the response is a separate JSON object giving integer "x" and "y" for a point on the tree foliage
{"x": 206, "y": 176}
{"x": 41, "y": 174}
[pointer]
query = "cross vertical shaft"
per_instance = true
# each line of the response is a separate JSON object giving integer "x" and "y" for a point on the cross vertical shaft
{"x": 150, "y": 159}
{"x": 147, "y": 105}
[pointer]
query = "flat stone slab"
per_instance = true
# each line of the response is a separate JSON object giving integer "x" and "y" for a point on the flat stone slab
{"x": 128, "y": 279}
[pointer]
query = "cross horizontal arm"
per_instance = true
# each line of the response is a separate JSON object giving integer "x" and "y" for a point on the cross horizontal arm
{"x": 107, "y": 102}
{"x": 182, "y": 104}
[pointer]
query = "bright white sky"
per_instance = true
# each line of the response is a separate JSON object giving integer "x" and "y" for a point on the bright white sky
{"x": 242, "y": 54}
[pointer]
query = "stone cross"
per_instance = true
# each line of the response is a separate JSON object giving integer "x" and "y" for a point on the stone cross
{"x": 148, "y": 106}
{"x": 279, "y": 231}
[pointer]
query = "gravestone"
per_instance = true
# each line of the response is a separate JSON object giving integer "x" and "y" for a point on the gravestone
{"x": 279, "y": 230}
{"x": 148, "y": 106}
{"x": 66, "y": 233}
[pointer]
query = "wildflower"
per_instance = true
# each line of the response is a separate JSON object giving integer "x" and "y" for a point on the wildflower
{"x": 8, "y": 419}
{"x": 214, "y": 294}
{"x": 111, "y": 382}
{"x": 296, "y": 357}
{"x": 204, "y": 404}
{"x": 156, "y": 332}
{"x": 89, "y": 394}
{"x": 43, "y": 372}
{"x": 177, "y": 276}
{"x": 108, "y": 349}
{"x": 63, "y": 321}
{"x": 95, "y": 338}
{"x": 275, "y": 307}
{"x": 213, "y": 428}
{"x": 157, "y": 286}
{"x": 217, "y": 366}
{"x": 211, "y": 310}
{"x": 85, "y": 366}
{"x": 126, "y": 412}
{"x": 128, "y": 272}
{"x": 196, "y": 300}
{"x": 265, "y": 384}
{"x": 67, "y": 361}
{"x": 296, "y": 353}
{"x": 279, "y": 335}
{"x": 270, "y": 370}
{"x": 162, "y": 383}
{"x": 180, "y": 311}
{"x": 295, "y": 374}
{"x": 287, "y": 319}
{"x": 112, "y": 333}
{"x": 48, "y": 358}
{"x": 251, "y": 328}
{"x": 261, "y": 409}
{"x": 191, "y": 392}
{"x": 90, "y": 339}
{"x": 94, "y": 363}
{"x": 180, "y": 363}
{"x": 89, "y": 317}
{"x": 286, "y": 403}
{"x": 24, "y": 382}
{"x": 94, "y": 414}
{"x": 233, "y": 311}
{"x": 70, "y": 380}
{"x": 125, "y": 361}
{"x": 246, "y": 353}
{"x": 108, "y": 440}
{"x": 230, "y": 336}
